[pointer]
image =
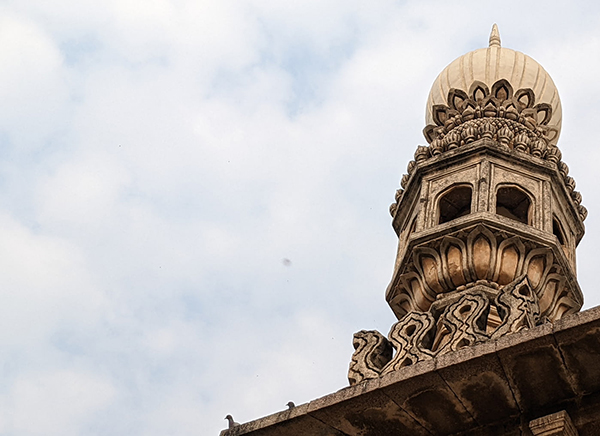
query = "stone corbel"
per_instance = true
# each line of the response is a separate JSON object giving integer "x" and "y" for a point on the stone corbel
{"x": 556, "y": 424}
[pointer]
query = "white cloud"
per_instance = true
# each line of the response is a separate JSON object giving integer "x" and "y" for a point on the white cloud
{"x": 56, "y": 403}
{"x": 159, "y": 160}
{"x": 33, "y": 88}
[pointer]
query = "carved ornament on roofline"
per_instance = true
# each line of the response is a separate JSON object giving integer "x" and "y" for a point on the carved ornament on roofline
{"x": 468, "y": 318}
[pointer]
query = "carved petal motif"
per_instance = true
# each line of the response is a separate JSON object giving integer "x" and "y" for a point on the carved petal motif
{"x": 456, "y": 99}
{"x": 480, "y": 256}
{"x": 502, "y": 90}
{"x": 525, "y": 97}
{"x": 478, "y": 91}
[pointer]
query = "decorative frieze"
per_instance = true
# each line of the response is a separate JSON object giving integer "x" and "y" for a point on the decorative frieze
{"x": 482, "y": 255}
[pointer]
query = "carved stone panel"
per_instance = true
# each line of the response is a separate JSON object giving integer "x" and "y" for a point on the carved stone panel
{"x": 482, "y": 255}
{"x": 457, "y": 320}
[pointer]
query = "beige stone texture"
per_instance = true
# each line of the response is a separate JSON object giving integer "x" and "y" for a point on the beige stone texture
{"x": 494, "y": 388}
{"x": 488, "y": 339}
{"x": 484, "y": 244}
{"x": 487, "y": 66}
{"x": 556, "y": 424}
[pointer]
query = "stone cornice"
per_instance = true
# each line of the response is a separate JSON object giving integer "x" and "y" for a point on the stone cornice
{"x": 496, "y": 387}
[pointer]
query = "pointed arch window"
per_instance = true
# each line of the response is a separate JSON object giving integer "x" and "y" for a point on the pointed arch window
{"x": 454, "y": 203}
{"x": 514, "y": 203}
{"x": 558, "y": 231}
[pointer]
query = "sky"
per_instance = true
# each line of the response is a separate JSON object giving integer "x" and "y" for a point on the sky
{"x": 194, "y": 194}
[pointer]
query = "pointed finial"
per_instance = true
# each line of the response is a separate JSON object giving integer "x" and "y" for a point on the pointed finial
{"x": 495, "y": 36}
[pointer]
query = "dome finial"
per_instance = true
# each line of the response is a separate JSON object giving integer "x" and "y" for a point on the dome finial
{"x": 495, "y": 36}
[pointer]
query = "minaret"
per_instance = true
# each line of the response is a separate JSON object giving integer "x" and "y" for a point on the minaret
{"x": 487, "y": 217}
{"x": 488, "y": 341}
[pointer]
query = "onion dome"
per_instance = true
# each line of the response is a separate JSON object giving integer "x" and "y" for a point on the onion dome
{"x": 499, "y": 83}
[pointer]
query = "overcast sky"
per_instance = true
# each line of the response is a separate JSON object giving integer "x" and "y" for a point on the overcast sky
{"x": 194, "y": 194}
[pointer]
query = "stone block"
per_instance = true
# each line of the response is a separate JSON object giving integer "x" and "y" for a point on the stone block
{"x": 428, "y": 399}
{"x": 580, "y": 348}
{"x": 477, "y": 378}
{"x": 534, "y": 367}
{"x": 556, "y": 424}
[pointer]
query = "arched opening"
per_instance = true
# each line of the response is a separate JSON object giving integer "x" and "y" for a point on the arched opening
{"x": 560, "y": 234}
{"x": 513, "y": 203}
{"x": 455, "y": 203}
{"x": 558, "y": 231}
{"x": 413, "y": 225}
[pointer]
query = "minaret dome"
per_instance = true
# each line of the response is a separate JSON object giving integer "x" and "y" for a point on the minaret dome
{"x": 476, "y": 73}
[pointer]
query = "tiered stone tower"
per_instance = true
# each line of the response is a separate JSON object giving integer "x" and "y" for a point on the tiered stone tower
{"x": 488, "y": 339}
{"x": 487, "y": 218}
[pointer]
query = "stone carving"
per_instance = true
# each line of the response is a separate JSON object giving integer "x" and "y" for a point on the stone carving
{"x": 463, "y": 323}
{"x": 411, "y": 338}
{"x": 510, "y": 138}
{"x": 517, "y": 305}
{"x": 482, "y": 112}
{"x": 456, "y": 321}
{"x": 488, "y": 218}
{"x": 372, "y": 352}
{"x": 480, "y": 255}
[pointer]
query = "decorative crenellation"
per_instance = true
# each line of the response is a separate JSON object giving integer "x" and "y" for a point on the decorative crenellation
{"x": 467, "y": 318}
{"x": 372, "y": 351}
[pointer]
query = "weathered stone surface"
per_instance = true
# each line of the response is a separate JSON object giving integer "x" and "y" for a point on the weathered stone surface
{"x": 479, "y": 390}
{"x": 428, "y": 399}
{"x": 295, "y": 421}
{"x": 486, "y": 241}
{"x": 579, "y": 349}
{"x": 536, "y": 372}
{"x": 372, "y": 413}
{"x": 479, "y": 383}
{"x": 556, "y": 424}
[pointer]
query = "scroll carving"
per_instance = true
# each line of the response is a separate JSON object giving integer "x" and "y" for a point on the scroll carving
{"x": 410, "y": 338}
{"x": 463, "y": 323}
{"x": 458, "y": 320}
{"x": 372, "y": 352}
{"x": 518, "y": 307}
